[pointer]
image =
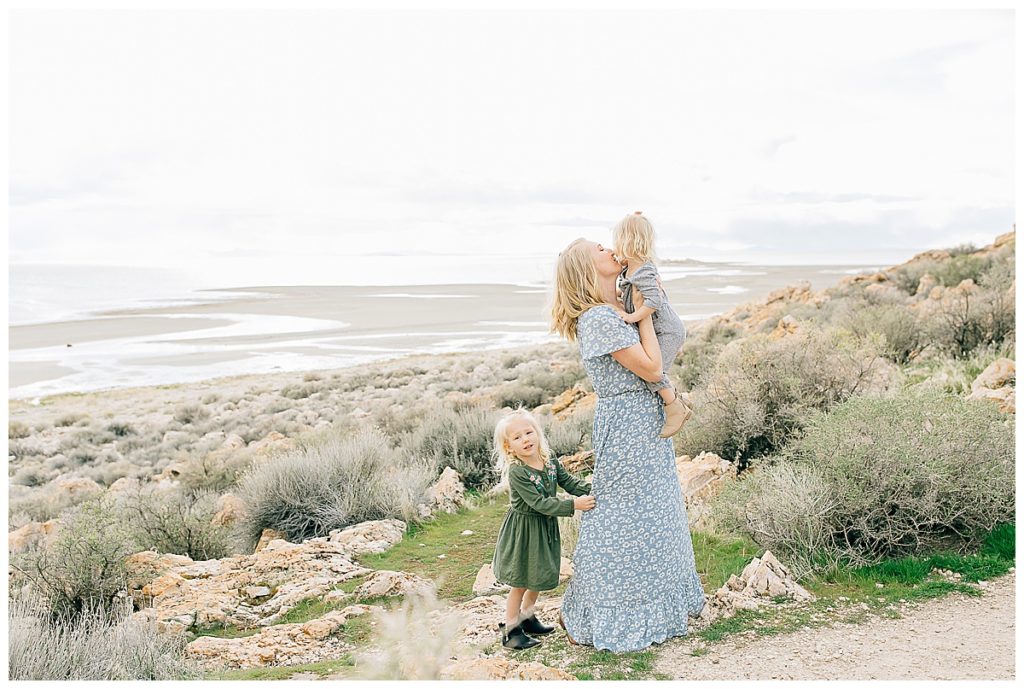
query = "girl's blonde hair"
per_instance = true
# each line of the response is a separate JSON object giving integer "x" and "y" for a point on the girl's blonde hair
{"x": 633, "y": 237}
{"x": 576, "y": 288}
{"x": 503, "y": 454}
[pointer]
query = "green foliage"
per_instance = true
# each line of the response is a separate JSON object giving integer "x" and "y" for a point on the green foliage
{"x": 459, "y": 438}
{"x": 176, "y": 521}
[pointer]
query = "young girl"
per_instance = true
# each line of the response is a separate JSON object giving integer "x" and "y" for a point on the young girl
{"x": 633, "y": 238}
{"x": 527, "y": 556}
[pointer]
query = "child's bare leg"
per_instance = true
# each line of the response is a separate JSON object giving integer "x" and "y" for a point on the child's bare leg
{"x": 529, "y": 600}
{"x": 515, "y": 598}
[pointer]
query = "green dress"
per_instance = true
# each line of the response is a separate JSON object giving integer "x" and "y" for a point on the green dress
{"x": 528, "y": 551}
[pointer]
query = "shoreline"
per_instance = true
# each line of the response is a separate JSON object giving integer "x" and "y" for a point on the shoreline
{"x": 266, "y": 330}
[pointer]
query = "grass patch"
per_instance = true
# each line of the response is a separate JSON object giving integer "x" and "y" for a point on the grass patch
{"x": 719, "y": 557}
{"x": 464, "y": 555}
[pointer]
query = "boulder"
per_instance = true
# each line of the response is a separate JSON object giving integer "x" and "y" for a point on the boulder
{"x": 999, "y": 373}
{"x": 701, "y": 479}
{"x": 32, "y": 535}
{"x": 485, "y": 583}
{"x": 369, "y": 537}
{"x": 787, "y": 325}
{"x": 282, "y": 644}
{"x": 272, "y": 441}
{"x": 74, "y": 487}
{"x": 387, "y": 583}
{"x": 230, "y": 509}
{"x": 266, "y": 537}
{"x": 233, "y": 442}
{"x": 446, "y": 495}
{"x": 579, "y": 462}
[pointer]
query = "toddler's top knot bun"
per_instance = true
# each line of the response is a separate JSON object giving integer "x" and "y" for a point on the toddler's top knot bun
{"x": 638, "y": 212}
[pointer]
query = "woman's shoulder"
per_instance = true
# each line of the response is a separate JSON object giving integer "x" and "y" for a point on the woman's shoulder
{"x": 598, "y": 312}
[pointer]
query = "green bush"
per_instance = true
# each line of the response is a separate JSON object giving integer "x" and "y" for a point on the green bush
{"x": 970, "y": 319}
{"x": 878, "y": 478}
{"x": 176, "y": 521}
{"x": 517, "y": 394}
{"x": 761, "y": 390}
{"x": 459, "y": 438}
{"x": 700, "y": 350}
{"x": 330, "y": 482}
{"x": 904, "y": 336}
{"x": 17, "y": 429}
{"x": 190, "y": 413}
{"x": 84, "y": 564}
{"x": 571, "y": 435}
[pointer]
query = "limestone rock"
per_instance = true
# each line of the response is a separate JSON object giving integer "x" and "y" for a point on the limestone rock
{"x": 485, "y": 583}
{"x": 579, "y": 462}
{"x": 762, "y": 579}
{"x": 925, "y": 285}
{"x": 446, "y": 495}
{"x": 701, "y": 479}
{"x": 282, "y": 644}
{"x": 32, "y": 535}
{"x": 388, "y": 583}
{"x": 999, "y": 373}
{"x": 75, "y": 487}
{"x": 233, "y": 442}
{"x": 171, "y": 472}
{"x": 500, "y": 668}
{"x": 369, "y": 537}
{"x": 230, "y": 509}
{"x": 787, "y": 325}
{"x": 266, "y": 537}
{"x": 272, "y": 441}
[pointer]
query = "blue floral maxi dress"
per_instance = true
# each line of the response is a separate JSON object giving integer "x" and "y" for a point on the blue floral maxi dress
{"x": 635, "y": 580}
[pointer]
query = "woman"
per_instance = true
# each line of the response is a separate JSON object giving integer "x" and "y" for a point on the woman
{"x": 635, "y": 581}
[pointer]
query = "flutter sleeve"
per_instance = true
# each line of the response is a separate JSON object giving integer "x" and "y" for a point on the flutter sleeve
{"x": 645, "y": 279}
{"x": 519, "y": 481}
{"x": 572, "y": 485}
{"x": 601, "y": 331}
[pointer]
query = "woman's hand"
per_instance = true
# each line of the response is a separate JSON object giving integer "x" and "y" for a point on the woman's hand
{"x": 584, "y": 503}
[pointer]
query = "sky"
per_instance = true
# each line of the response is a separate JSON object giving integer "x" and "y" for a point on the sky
{"x": 230, "y": 137}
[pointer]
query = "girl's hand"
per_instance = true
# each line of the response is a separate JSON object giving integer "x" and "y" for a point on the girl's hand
{"x": 584, "y": 503}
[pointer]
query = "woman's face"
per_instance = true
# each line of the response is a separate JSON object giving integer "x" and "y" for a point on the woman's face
{"x": 604, "y": 260}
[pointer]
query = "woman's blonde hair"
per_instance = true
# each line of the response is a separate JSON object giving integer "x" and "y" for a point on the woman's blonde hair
{"x": 576, "y": 288}
{"x": 503, "y": 454}
{"x": 633, "y": 237}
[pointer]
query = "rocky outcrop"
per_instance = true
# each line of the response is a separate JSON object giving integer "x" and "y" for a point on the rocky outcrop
{"x": 252, "y": 590}
{"x": 281, "y": 644}
{"x": 230, "y": 509}
{"x": 752, "y": 316}
{"x": 501, "y": 668}
{"x": 32, "y": 535}
{"x": 74, "y": 488}
{"x": 485, "y": 583}
{"x": 573, "y": 400}
{"x": 702, "y": 478}
{"x": 579, "y": 462}
{"x": 761, "y": 580}
{"x": 387, "y": 583}
{"x": 446, "y": 495}
{"x": 997, "y": 383}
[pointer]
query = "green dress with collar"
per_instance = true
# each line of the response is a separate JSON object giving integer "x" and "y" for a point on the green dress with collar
{"x": 528, "y": 550}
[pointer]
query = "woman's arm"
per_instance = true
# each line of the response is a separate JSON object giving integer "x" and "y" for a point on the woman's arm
{"x": 643, "y": 359}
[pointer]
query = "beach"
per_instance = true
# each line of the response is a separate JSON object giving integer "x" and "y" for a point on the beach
{"x": 268, "y": 329}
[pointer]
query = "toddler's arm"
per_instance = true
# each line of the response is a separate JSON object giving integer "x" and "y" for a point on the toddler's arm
{"x": 571, "y": 484}
{"x": 519, "y": 481}
{"x": 640, "y": 313}
{"x": 645, "y": 280}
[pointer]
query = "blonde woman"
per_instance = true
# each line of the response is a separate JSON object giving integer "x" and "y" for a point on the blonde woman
{"x": 635, "y": 580}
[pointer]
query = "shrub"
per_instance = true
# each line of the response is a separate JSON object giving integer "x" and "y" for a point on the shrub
{"x": 330, "y": 482}
{"x": 190, "y": 413}
{"x": 17, "y": 429}
{"x": 973, "y": 318}
{"x": 98, "y": 644}
{"x": 878, "y": 478}
{"x": 298, "y": 392}
{"x": 571, "y": 435}
{"x": 761, "y": 390}
{"x": 517, "y": 394}
{"x": 217, "y": 471}
{"x": 70, "y": 420}
{"x": 699, "y": 351}
{"x": 460, "y": 439}
{"x": 84, "y": 564}
{"x": 176, "y": 521}
{"x": 899, "y": 326}
{"x": 121, "y": 429}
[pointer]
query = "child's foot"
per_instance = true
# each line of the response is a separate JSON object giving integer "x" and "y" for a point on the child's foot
{"x": 676, "y": 414}
{"x": 533, "y": 626}
{"x": 516, "y": 638}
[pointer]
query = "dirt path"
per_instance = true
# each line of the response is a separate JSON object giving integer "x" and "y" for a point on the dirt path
{"x": 956, "y": 637}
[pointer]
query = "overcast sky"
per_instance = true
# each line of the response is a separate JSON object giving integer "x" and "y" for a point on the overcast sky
{"x": 186, "y": 138}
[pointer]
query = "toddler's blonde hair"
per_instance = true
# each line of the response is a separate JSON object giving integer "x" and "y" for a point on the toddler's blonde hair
{"x": 503, "y": 453}
{"x": 576, "y": 288}
{"x": 633, "y": 237}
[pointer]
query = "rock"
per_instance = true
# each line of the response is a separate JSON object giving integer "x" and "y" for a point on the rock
{"x": 501, "y": 668}
{"x": 581, "y": 461}
{"x": 233, "y": 442}
{"x": 701, "y": 479}
{"x": 272, "y": 441}
{"x": 479, "y": 618}
{"x": 485, "y": 583}
{"x": 467, "y": 532}
{"x": 925, "y": 285}
{"x": 234, "y": 590}
{"x": 999, "y": 373}
{"x": 74, "y": 487}
{"x": 582, "y": 404}
{"x": 567, "y": 398}
{"x": 787, "y": 325}
{"x": 124, "y": 486}
{"x": 762, "y": 578}
{"x": 281, "y": 644}
{"x": 266, "y": 537}
{"x": 446, "y": 495}
{"x": 171, "y": 472}
{"x": 230, "y": 509}
{"x": 388, "y": 583}
{"x": 369, "y": 537}
{"x": 32, "y": 535}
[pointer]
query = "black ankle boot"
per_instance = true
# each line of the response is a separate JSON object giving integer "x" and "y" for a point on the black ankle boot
{"x": 516, "y": 638}
{"x": 533, "y": 626}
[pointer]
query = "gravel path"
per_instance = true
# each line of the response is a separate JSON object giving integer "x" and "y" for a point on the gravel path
{"x": 955, "y": 637}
